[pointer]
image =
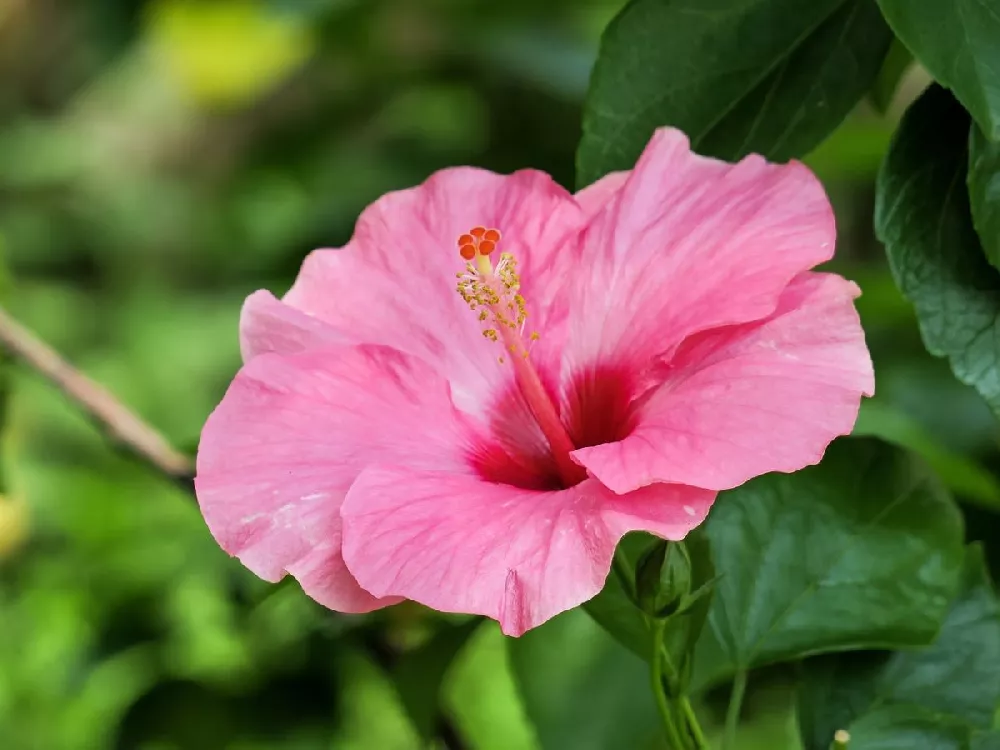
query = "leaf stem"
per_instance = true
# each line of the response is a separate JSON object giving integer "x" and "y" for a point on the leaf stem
{"x": 684, "y": 703}
{"x": 692, "y": 723}
{"x": 733, "y": 712}
{"x": 656, "y": 673}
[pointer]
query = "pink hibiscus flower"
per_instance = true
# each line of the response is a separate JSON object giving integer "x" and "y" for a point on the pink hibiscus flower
{"x": 608, "y": 362}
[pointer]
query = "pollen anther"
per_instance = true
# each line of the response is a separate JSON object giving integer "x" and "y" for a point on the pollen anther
{"x": 493, "y": 291}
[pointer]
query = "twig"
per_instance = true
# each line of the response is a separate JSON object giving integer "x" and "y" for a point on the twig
{"x": 122, "y": 425}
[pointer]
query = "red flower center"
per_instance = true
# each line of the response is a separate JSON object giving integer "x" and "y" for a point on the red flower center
{"x": 597, "y": 409}
{"x": 532, "y": 438}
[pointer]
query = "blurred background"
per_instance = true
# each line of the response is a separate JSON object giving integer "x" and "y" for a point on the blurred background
{"x": 161, "y": 160}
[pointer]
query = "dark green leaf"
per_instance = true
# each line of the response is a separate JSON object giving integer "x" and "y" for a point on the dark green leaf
{"x": 922, "y": 216}
{"x": 420, "y": 673}
{"x": 984, "y": 192}
{"x": 986, "y": 741}
{"x": 906, "y": 728}
{"x": 862, "y": 551}
{"x": 738, "y": 76}
{"x": 958, "y": 676}
{"x": 835, "y": 691}
{"x": 956, "y": 40}
{"x": 961, "y": 474}
{"x": 897, "y": 62}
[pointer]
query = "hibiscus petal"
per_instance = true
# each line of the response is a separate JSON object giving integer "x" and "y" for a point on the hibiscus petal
{"x": 597, "y": 196}
{"x": 688, "y": 244}
{"x": 459, "y": 544}
{"x": 292, "y": 433}
{"x": 745, "y": 400}
{"x": 394, "y": 283}
{"x": 268, "y": 325}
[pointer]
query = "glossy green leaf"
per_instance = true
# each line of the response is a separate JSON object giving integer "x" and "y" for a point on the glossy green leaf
{"x": 906, "y": 728}
{"x": 861, "y": 551}
{"x": 958, "y": 676}
{"x": 922, "y": 216}
{"x": 984, "y": 192}
{"x": 738, "y": 76}
{"x": 956, "y": 40}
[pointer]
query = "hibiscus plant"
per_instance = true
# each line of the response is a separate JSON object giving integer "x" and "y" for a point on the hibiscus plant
{"x": 505, "y": 399}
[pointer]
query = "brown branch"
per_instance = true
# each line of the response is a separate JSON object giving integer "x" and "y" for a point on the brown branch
{"x": 121, "y": 425}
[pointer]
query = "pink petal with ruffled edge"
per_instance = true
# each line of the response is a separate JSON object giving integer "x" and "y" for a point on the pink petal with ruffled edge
{"x": 394, "y": 283}
{"x": 291, "y": 435}
{"x": 270, "y": 326}
{"x": 459, "y": 544}
{"x": 742, "y": 401}
{"x": 597, "y": 196}
{"x": 686, "y": 244}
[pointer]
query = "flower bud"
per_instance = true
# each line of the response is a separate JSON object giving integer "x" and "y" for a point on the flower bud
{"x": 663, "y": 578}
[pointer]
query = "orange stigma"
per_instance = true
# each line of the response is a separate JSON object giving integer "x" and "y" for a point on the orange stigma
{"x": 478, "y": 241}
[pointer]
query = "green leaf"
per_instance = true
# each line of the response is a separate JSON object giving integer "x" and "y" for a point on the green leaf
{"x": 583, "y": 690}
{"x": 897, "y": 62}
{"x": 862, "y": 551}
{"x": 906, "y": 728}
{"x": 419, "y": 674}
{"x": 984, "y": 192}
{"x": 958, "y": 676}
{"x": 986, "y": 741}
{"x": 922, "y": 216}
{"x": 963, "y": 475}
{"x": 738, "y": 76}
{"x": 956, "y": 40}
{"x": 483, "y": 698}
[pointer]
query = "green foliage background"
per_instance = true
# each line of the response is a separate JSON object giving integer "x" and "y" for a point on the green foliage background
{"x": 161, "y": 160}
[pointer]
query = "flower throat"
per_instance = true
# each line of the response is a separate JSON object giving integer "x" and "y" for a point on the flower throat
{"x": 493, "y": 293}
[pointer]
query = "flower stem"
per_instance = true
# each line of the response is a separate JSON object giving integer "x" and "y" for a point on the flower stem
{"x": 733, "y": 712}
{"x": 692, "y": 723}
{"x": 688, "y": 715}
{"x": 656, "y": 673}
